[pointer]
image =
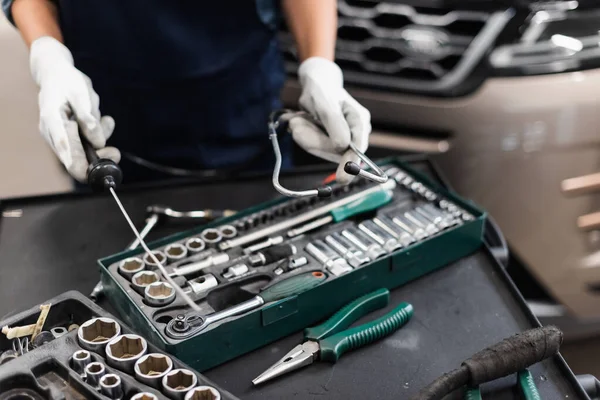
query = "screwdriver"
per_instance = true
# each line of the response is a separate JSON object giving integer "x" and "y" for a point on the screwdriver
{"x": 104, "y": 174}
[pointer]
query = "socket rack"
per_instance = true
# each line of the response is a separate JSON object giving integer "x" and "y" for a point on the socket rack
{"x": 85, "y": 353}
{"x": 366, "y": 236}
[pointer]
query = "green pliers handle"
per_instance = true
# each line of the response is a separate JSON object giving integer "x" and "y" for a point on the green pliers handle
{"x": 333, "y": 343}
{"x": 527, "y": 386}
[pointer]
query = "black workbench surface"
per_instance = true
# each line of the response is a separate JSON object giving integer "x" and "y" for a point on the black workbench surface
{"x": 460, "y": 309}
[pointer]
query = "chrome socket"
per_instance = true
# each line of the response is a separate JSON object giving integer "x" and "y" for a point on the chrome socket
{"x": 346, "y": 249}
{"x": 435, "y": 219}
{"x": 151, "y": 368}
{"x": 380, "y": 236}
{"x": 178, "y": 382}
{"x": 228, "y": 231}
{"x": 144, "y": 396}
{"x": 123, "y": 351}
{"x": 202, "y": 284}
{"x": 176, "y": 252}
{"x": 203, "y": 393}
{"x": 328, "y": 258}
{"x": 390, "y": 227}
{"x": 93, "y": 372}
{"x": 94, "y": 334}
{"x": 142, "y": 279}
{"x": 150, "y": 261}
{"x": 80, "y": 360}
{"x": 211, "y": 237}
{"x": 419, "y": 221}
{"x": 414, "y": 230}
{"x": 195, "y": 245}
{"x": 131, "y": 266}
{"x": 188, "y": 269}
{"x": 235, "y": 271}
{"x": 371, "y": 249}
{"x": 159, "y": 294}
{"x": 111, "y": 386}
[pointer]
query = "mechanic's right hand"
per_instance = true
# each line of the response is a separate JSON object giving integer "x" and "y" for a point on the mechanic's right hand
{"x": 64, "y": 90}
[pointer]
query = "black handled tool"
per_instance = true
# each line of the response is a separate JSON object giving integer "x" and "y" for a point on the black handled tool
{"x": 102, "y": 173}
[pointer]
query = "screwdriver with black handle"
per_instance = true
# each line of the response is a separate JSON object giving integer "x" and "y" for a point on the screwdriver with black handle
{"x": 105, "y": 175}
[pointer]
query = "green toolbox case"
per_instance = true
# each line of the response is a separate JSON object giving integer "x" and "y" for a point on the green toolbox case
{"x": 240, "y": 334}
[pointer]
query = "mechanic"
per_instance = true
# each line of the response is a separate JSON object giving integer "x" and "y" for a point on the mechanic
{"x": 190, "y": 84}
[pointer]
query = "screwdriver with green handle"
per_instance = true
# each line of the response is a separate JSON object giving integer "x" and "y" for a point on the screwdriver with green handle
{"x": 185, "y": 326}
{"x": 330, "y": 340}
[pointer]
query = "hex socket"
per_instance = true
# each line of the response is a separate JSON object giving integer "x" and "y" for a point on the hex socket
{"x": 176, "y": 252}
{"x": 151, "y": 368}
{"x": 144, "y": 396}
{"x": 211, "y": 236}
{"x": 141, "y": 280}
{"x": 195, "y": 245}
{"x": 123, "y": 351}
{"x": 93, "y": 372}
{"x": 95, "y": 333}
{"x": 228, "y": 231}
{"x": 131, "y": 266}
{"x": 159, "y": 294}
{"x": 80, "y": 360}
{"x": 111, "y": 386}
{"x": 151, "y": 264}
{"x": 178, "y": 382}
{"x": 203, "y": 393}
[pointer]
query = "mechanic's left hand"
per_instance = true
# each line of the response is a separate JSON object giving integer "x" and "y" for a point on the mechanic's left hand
{"x": 324, "y": 97}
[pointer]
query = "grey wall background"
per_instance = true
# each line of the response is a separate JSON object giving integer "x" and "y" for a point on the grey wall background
{"x": 27, "y": 165}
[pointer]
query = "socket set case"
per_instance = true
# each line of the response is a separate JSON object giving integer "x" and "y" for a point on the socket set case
{"x": 57, "y": 366}
{"x": 230, "y": 277}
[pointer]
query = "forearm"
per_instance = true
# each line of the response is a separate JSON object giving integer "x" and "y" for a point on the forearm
{"x": 36, "y": 18}
{"x": 313, "y": 23}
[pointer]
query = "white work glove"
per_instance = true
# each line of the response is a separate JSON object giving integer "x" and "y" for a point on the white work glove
{"x": 65, "y": 90}
{"x": 324, "y": 97}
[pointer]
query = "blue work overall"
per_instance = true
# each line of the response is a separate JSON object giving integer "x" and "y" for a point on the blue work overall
{"x": 190, "y": 84}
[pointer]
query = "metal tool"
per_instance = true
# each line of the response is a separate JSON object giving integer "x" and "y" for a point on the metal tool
{"x": 151, "y": 368}
{"x": 272, "y": 241}
{"x": 192, "y": 268}
{"x": 175, "y": 252}
{"x": 380, "y": 236}
{"x": 201, "y": 284}
{"x": 329, "y": 341}
{"x": 389, "y": 226}
{"x": 203, "y": 393}
{"x": 309, "y": 215}
{"x": 155, "y": 258}
{"x": 236, "y": 271}
{"x": 159, "y": 294}
{"x": 419, "y": 221}
{"x": 207, "y": 215}
{"x": 272, "y": 254}
{"x": 111, "y": 386}
{"x": 178, "y": 382}
{"x": 95, "y": 333}
{"x": 131, "y": 266}
{"x": 328, "y": 258}
{"x": 93, "y": 372}
{"x": 326, "y": 191}
{"x": 415, "y": 231}
{"x": 211, "y": 237}
{"x": 185, "y": 326}
{"x": 346, "y": 249}
{"x": 142, "y": 279}
{"x": 433, "y": 210}
{"x": 317, "y": 223}
{"x": 80, "y": 360}
{"x": 369, "y": 248}
{"x": 287, "y": 265}
{"x": 195, "y": 245}
{"x": 58, "y": 331}
{"x": 298, "y": 262}
{"x": 123, "y": 351}
{"x": 228, "y": 231}
{"x": 144, "y": 396}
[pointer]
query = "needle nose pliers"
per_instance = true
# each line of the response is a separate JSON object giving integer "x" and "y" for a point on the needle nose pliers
{"x": 329, "y": 340}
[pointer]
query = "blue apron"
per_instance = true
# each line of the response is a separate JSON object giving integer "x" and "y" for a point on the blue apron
{"x": 189, "y": 83}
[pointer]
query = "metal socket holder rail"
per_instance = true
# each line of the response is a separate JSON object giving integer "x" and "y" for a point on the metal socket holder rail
{"x": 110, "y": 368}
{"x": 350, "y": 244}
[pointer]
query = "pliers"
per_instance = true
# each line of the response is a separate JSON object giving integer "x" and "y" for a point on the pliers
{"x": 328, "y": 341}
{"x": 527, "y": 387}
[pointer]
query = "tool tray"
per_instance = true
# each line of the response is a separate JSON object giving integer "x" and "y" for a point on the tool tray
{"x": 47, "y": 371}
{"x": 237, "y": 335}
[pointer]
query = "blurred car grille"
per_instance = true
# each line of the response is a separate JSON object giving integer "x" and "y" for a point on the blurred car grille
{"x": 399, "y": 47}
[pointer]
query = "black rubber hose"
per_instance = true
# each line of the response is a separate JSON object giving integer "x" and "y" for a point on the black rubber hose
{"x": 504, "y": 358}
